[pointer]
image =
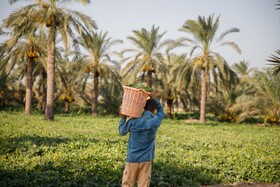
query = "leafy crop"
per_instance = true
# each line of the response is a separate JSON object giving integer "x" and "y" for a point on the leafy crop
{"x": 141, "y": 86}
{"x": 87, "y": 151}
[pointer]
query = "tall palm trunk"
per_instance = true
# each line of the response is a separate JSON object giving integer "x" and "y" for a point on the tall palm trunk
{"x": 203, "y": 96}
{"x": 95, "y": 94}
{"x": 43, "y": 92}
{"x": 28, "y": 87}
{"x": 149, "y": 78}
{"x": 169, "y": 104}
{"x": 49, "y": 113}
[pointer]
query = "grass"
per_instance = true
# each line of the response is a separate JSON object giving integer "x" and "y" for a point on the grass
{"x": 87, "y": 151}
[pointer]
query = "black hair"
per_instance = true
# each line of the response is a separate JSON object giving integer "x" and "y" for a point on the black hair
{"x": 151, "y": 105}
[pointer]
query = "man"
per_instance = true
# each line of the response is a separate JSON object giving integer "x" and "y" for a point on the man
{"x": 141, "y": 144}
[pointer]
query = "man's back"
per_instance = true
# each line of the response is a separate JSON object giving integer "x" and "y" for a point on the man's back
{"x": 141, "y": 143}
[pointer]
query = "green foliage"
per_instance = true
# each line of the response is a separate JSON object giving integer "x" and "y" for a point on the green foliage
{"x": 253, "y": 120}
{"x": 141, "y": 86}
{"x": 86, "y": 151}
{"x": 111, "y": 99}
{"x": 228, "y": 117}
{"x": 193, "y": 115}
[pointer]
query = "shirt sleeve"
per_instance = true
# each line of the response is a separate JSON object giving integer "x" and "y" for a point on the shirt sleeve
{"x": 157, "y": 119}
{"x": 160, "y": 112}
{"x": 124, "y": 126}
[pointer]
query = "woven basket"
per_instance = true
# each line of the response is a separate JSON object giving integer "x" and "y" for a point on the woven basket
{"x": 133, "y": 101}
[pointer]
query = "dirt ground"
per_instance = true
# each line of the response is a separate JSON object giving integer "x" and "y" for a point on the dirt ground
{"x": 246, "y": 185}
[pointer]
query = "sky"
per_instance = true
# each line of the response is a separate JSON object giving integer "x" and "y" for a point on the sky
{"x": 258, "y": 21}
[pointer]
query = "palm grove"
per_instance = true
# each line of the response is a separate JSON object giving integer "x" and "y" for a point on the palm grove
{"x": 55, "y": 56}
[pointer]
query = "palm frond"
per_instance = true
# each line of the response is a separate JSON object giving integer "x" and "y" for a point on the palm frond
{"x": 278, "y": 4}
{"x": 233, "y": 45}
{"x": 276, "y": 62}
{"x": 224, "y": 34}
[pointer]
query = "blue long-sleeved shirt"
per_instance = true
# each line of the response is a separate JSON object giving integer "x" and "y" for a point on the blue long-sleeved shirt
{"x": 141, "y": 142}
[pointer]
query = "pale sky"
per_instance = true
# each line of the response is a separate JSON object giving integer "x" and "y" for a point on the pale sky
{"x": 258, "y": 21}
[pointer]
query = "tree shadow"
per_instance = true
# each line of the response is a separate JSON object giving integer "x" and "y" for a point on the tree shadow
{"x": 166, "y": 174}
{"x": 51, "y": 175}
{"x": 21, "y": 143}
{"x": 102, "y": 174}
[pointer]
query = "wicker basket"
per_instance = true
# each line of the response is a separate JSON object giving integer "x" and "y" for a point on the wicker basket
{"x": 133, "y": 101}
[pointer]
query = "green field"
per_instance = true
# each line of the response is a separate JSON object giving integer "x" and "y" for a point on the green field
{"x": 87, "y": 151}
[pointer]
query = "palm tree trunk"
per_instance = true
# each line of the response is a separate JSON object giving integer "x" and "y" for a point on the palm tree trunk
{"x": 49, "y": 113}
{"x": 169, "y": 108}
{"x": 203, "y": 96}
{"x": 149, "y": 79}
{"x": 66, "y": 106}
{"x": 95, "y": 94}
{"x": 169, "y": 104}
{"x": 43, "y": 92}
{"x": 28, "y": 87}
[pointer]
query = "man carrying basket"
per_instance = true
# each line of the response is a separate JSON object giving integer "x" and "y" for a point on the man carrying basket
{"x": 141, "y": 143}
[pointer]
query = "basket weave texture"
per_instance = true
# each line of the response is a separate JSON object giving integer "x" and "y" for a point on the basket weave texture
{"x": 133, "y": 101}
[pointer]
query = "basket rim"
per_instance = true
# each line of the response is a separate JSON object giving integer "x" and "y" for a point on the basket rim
{"x": 136, "y": 89}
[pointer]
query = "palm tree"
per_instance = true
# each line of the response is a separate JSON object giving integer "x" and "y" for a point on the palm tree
{"x": 276, "y": 62}
{"x": 98, "y": 48}
{"x": 242, "y": 69}
{"x": 110, "y": 97}
{"x": 58, "y": 22}
{"x": 146, "y": 58}
{"x": 7, "y": 77}
{"x": 187, "y": 81}
{"x": 206, "y": 60}
{"x": 68, "y": 75}
{"x": 171, "y": 90}
{"x": 24, "y": 54}
{"x": 262, "y": 99}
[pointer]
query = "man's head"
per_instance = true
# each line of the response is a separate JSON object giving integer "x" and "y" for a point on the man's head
{"x": 151, "y": 105}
